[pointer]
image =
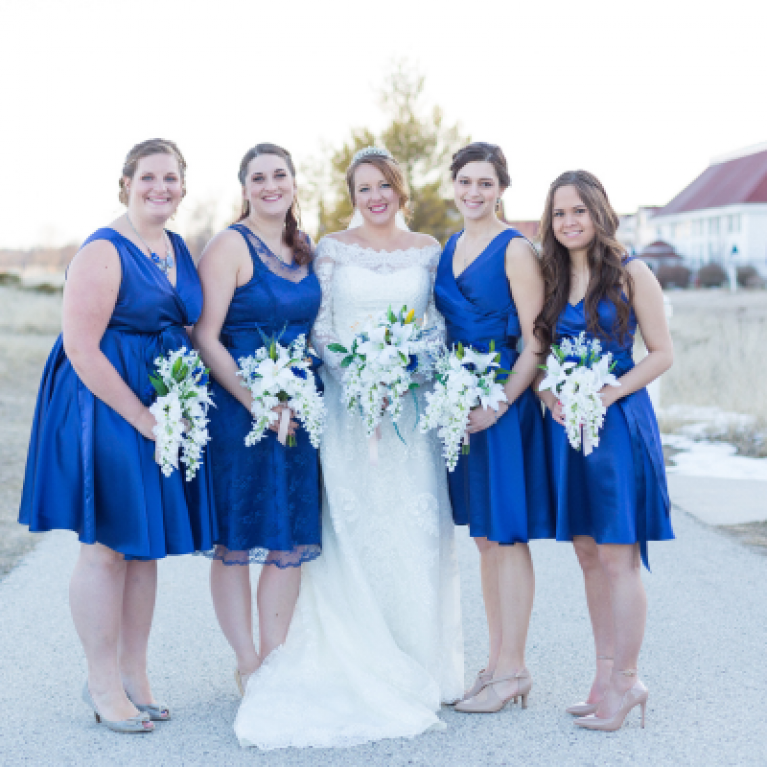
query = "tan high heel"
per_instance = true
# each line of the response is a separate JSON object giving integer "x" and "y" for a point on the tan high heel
{"x": 241, "y": 681}
{"x": 635, "y": 696}
{"x": 494, "y": 702}
{"x": 583, "y": 708}
{"x": 483, "y": 677}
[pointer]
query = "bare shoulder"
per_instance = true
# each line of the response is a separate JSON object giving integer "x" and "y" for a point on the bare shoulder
{"x": 642, "y": 275}
{"x": 226, "y": 247}
{"x": 421, "y": 240}
{"x": 520, "y": 251}
{"x": 96, "y": 254}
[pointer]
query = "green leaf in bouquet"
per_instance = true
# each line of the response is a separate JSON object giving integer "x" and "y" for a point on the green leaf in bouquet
{"x": 346, "y": 361}
{"x": 159, "y": 385}
{"x": 413, "y": 386}
{"x": 182, "y": 373}
{"x": 338, "y": 348}
{"x": 403, "y": 358}
{"x": 459, "y": 351}
{"x": 613, "y": 365}
{"x": 492, "y": 346}
{"x": 390, "y": 315}
{"x": 176, "y": 366}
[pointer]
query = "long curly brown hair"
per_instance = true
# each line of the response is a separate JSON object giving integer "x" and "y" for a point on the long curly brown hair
{"x": 608, "y": 278}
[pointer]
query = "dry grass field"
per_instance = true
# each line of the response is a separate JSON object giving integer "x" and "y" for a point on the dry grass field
{"x": 717, "y": 339}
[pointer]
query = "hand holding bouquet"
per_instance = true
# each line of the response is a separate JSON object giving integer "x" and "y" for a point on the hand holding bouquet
{"x": 379, "y": 367}
{"x": 181, "y": 410}
{"x": 276, "y": 375}
{"x": 576, "y": 372}
{"x": 464, "y": 379}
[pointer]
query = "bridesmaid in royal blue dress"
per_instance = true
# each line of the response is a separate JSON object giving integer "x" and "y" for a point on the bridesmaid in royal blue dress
{"x": 130, "y": 291}
{"x": 613, "y": 501}
{"x": 258, "y": 282}
{"x": 489, "y": 288}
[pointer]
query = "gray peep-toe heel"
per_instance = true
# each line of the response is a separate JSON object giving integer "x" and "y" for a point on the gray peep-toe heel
{"x": 139, "y": 723}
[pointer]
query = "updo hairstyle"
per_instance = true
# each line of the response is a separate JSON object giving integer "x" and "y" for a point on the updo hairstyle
{"x": 480, "y": 151}
{"x": 294, "y": 238}
{"x": 146, "y": 149}
{"x": 391, "y": 171}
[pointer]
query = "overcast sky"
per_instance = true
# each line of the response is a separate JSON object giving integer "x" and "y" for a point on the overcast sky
{"x": 642, "y": 94}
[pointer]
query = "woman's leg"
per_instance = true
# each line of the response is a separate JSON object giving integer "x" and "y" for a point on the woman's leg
{"x": 96, "y": 600}
{"x": 277, "y": 595}
{"x": 489, "y": 574}
{"x": 232, "y": 601}
{"x": 138, "y": 610}
{"x": 600, "y": 612}
{"x": 623, "y": 567}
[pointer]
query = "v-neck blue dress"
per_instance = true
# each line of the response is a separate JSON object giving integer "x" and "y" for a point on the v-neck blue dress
{"x": 618, "y": 493}
{"x": 90, "y": 471}
{"x": 501, "y": 488}
{"x": 268, "y": 500}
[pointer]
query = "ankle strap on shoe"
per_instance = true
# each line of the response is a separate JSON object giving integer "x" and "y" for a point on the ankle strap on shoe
{"x": 523, "y": 674}
{"x": 629, "y": 672}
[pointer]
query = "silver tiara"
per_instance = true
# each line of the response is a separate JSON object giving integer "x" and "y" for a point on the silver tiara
{"x": 372, "y": 151}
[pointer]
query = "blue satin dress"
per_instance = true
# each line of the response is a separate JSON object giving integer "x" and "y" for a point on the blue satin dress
{"x": 90, "y": 471}
{"x": 618, "y": 493}
{"x": 501, "y": 488}
{"x": 268, "y": 495}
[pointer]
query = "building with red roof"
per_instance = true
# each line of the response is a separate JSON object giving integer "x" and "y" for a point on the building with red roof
{"x": 722, "y": 215}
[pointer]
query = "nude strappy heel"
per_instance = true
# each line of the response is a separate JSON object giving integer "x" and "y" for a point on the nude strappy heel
{"x": 483, "y": 677}
{"x": 583, "y": 708}
{"x": 241, "y": 680}
{"x": 138, "y": 723}
{"x": 494, "y": 702}
{"x": 635, "y": 696}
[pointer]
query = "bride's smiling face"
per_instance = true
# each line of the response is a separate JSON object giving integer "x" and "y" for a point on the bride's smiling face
{"x": 374, "y": 196}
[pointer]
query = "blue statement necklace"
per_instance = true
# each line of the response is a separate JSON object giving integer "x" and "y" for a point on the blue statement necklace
{"x": 165, "y": 264}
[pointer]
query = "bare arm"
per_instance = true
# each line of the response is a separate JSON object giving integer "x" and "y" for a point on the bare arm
{"x": 526, "y": 283}
{"x": 651, "y": 316}
{"x": 222, "y": 267}
{"x": 90, "y": 295}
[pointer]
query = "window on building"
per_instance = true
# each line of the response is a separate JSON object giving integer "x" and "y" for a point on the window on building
{"x": 735, "y": 222}
{"x": 713, "y": 225}
{"x": 672, "y": 231}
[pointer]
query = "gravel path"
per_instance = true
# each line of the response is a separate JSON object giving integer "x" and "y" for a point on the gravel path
{"x": 703, "y": 662}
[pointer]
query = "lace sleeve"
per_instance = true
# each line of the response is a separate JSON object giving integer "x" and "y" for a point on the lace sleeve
{"x": 433, "y": 318}
{"x": 322, "y": 330}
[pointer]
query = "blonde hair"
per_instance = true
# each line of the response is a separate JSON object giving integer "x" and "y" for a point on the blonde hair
{"x": 391, "y": 171}
{"x": 146, "y": 149}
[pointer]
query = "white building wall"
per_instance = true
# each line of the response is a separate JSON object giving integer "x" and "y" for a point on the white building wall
{"x": 702, "y": 236}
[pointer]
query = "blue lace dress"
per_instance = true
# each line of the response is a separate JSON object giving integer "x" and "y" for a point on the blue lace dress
{"x": 501, "y": 488}
{"x": 267, "y": 496}
{"x": 618, "y": 493}
{"x": 90, "y": 471}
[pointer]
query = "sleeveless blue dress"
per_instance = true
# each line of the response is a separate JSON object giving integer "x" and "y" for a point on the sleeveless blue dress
{"x": 90, "y": 471}
{"x": 501, "y": 488}
{"x": 618, "y": 493}
{"x": 268, "y": 498}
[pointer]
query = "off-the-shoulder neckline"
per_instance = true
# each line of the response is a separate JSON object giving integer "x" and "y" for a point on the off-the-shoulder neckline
{"x": 357, "y": 246}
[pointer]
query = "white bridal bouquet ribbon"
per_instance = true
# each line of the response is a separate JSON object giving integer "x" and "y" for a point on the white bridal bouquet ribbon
{"x": 576, "y": 371}
{"x": 278, "y": 374}
{"x": 463, "y": 379}
{"x": 379, "y": 367}
{"x": 181, "y": 410}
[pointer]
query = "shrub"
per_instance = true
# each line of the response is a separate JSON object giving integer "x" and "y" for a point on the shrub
{"x": 673, "y": 276}
{"x": 749, "y": 277}
{"x": 711, "y": 276}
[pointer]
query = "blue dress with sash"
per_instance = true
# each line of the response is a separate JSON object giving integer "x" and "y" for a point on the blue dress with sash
{"x": 268, "y": 498}
{"x": 618, "y": 493}
{"x": 501, "y": 488}
{"x": 90, "y": 471}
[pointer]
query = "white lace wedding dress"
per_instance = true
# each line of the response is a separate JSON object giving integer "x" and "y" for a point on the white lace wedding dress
{"x": 376, "y": 642}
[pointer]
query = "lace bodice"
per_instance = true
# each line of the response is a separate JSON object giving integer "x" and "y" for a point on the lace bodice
{"x": 358, "y": 284}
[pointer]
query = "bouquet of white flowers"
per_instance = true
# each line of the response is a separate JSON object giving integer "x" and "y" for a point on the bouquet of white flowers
{"x": 379, "y": 367}
{"x": 181, "y": 410}
{"x": 464, "y": 379}
{"x": 576, "y": 371}
{"x": 282, "y": 374}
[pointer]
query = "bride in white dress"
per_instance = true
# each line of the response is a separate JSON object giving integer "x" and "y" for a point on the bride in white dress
{"x": 375, "y": 645}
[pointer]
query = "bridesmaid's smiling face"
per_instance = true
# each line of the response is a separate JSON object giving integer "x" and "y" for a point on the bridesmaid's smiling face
{"x": 269, "y": 186}
{"x": 477, "y": 189}
{"x": 571, "y": 220}
{"x": 156, "y": 189}
{"x": 374, "y": 196}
